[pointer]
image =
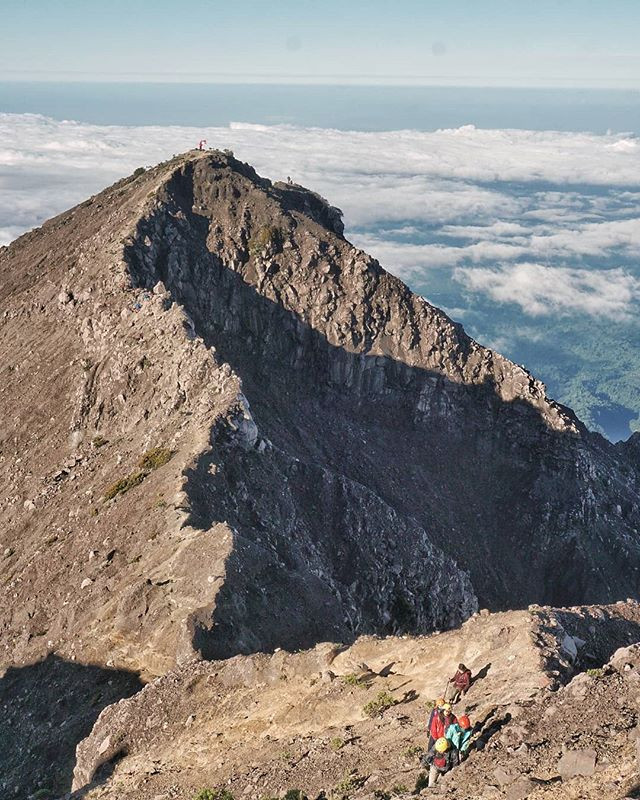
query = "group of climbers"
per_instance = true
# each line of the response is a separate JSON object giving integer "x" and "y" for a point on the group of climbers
{"x": 449, "y": 736}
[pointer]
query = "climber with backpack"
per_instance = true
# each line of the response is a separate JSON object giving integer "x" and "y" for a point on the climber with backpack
{"x": 439, "y": 722}
{"x": 440, "y": 759}
{"x": 459, "y": 736}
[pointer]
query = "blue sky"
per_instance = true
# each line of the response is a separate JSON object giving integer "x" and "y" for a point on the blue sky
{"x": 465, "y": 42}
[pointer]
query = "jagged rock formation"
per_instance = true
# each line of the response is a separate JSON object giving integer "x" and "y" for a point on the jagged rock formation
{"x": 347, "y": 370}
{"x": 343, "y": 458}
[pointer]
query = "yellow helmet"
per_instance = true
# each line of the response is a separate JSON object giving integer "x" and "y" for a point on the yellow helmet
{"x": 442, "y": 745}
{"x": 446, "y": 706}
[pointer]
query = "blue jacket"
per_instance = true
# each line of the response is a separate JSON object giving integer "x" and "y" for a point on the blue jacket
{"x": 459, "y": 738}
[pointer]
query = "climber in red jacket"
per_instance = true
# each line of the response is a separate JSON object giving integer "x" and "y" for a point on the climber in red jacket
{"x": 459, "y": 684}
{"x": 440, "y": 723}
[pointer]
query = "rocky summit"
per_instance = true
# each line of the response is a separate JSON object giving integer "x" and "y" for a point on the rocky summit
{"x": 226, "y": 431}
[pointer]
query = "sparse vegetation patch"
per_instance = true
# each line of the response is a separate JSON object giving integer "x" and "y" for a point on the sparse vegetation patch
{"x": 350, "y": 783}
{"x": 414, "y": 751}
{"x": 152, "y": 459}
{"x": 124, "y": 484}
{"x": 265, "y": 238}
{"x": 377, "y": 707}
{"x": 213, "y": 794}
{"x": 353, "y": 680}
{"x": 155, "y": 458}
{"x": 595, "y": 673}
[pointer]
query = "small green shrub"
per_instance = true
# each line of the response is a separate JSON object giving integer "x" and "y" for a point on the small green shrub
{"x": 348, "y": 784}
{"x": 155, "y": 458}
{"x": 294, "y": 794}
{"x": 336, "y": 744}
{"x": 414, "y": 751}
{"x": 138, "y": 172}
{"x": 377, "y": 707}
{"x": 213, "y": 794}
{"x": 399, "y": 788}
{"x": 353, "y": 680}
{"x": 124, "y": 484}
{"x": 267, "y": 237}
{"x": 595, "y": 673}
{"x": 99, "y": 441}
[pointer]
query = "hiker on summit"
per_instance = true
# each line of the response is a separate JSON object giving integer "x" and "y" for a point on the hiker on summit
{"x": 459, "y": 685}
{"x": 439, "y": 759}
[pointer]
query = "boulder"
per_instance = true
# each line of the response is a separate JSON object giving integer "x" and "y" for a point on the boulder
{"x": 521, "y": 789}
{"x": 577, "y": 762}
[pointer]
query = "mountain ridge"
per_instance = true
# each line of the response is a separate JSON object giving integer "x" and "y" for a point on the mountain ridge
{"x": 343, "y": 459}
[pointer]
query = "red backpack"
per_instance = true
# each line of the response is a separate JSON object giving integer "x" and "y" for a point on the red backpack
{"x": 440, "y": 761}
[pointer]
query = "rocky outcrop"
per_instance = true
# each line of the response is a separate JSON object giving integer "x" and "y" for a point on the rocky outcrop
{"x": 229, "y": 542}
{"x": 346, "y": 370}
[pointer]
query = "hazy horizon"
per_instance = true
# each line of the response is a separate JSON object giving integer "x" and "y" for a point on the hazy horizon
{"x": 346, "y": 107}
{"x": 493, "y": 43}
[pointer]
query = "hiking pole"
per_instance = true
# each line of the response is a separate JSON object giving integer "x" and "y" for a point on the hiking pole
{"x": 446, "y": 689}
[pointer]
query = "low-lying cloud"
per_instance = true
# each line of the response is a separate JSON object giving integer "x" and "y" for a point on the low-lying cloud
{"x": 549, "y": 221}
{"x": 540, "y": 289}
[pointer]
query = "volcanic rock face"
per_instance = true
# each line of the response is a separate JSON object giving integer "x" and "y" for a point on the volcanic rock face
{"x": 349, "y": 372}
{"x": 227, "y": 430}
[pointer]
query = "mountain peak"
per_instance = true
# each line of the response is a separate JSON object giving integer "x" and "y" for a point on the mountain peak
{"x": 229, "y": 430}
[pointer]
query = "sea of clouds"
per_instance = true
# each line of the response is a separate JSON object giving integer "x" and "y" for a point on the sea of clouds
{"x": 548, "y": 222}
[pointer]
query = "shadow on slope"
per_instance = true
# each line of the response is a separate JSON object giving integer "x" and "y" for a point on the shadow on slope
{"x": 46, "y": 709}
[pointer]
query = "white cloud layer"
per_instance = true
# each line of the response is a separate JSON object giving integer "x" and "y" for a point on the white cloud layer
{"x": 539, "y": 289}
{"x": 546, "y": 220}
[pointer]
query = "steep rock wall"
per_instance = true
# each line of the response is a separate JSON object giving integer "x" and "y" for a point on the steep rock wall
{"x": 346, "y": 369}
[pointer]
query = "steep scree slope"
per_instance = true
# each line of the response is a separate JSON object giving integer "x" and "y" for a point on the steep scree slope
{"x": 259, "y": 725}
{"x": 121, "y": 427}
